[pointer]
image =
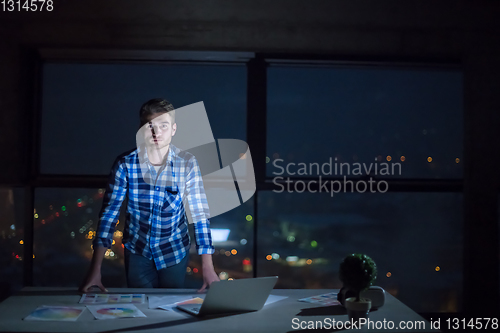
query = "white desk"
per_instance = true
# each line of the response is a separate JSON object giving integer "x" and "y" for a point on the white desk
{"x": 275, "y": 317}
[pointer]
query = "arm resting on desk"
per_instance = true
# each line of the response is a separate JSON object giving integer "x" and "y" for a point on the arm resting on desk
{"x": 93, "y": 277}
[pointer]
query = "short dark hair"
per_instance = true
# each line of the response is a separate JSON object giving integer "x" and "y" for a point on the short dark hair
{"x": 154, "y": 106}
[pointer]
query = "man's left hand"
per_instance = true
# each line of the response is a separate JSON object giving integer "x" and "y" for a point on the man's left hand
{"x": 209, "y": 274}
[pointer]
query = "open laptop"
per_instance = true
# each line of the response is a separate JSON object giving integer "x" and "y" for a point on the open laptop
{"x": 242, "y": 295}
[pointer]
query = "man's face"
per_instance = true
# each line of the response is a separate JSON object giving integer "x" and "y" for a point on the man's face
{"x": 159, "y": 130}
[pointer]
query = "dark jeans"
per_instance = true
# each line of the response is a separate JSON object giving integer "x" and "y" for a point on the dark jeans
{"x": 142, "y": 273}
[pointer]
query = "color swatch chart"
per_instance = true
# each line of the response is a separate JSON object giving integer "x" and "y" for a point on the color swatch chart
{"x": 112, "y": 298}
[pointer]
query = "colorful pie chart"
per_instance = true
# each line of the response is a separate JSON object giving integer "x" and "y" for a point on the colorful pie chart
{"x": 56, "y": 313}
{"x": 120, "y": 312}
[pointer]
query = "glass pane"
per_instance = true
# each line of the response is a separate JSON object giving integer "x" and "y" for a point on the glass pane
{"x": 368, "y": 116}
{"x": 64, "y": 230}
{"x": 233, "y": 257}
{"x": 90, "y": 112}
{"x": 63, "y": 233}
{"x": 414, "y": 238}
{"x": 11, "y": 240}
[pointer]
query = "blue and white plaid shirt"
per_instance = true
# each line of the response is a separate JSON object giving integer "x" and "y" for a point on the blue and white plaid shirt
{"x": 156, "y": 225}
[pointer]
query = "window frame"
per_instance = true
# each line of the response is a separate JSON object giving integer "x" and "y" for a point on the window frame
{"x": 256, "y": 126}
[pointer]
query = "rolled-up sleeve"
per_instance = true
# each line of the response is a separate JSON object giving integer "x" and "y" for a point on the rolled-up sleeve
{"x": 116, "y": 191}
{"x": 198, "y": 206}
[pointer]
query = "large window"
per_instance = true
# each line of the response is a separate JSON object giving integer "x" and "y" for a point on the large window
{"x": 90, "y": 112}
{"x": 358, "y": 119}
{"x": 367, "y": 116}
{"x": 415, "y": 239}
{"x": 64, "y": 227}
{"x": 338, "y": 137}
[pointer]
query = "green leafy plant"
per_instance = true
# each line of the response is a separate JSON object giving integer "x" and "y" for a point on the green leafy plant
{"x": 357, "y": 273}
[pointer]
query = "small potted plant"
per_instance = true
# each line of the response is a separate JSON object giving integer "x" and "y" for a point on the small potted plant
{"x": 357, "y": 273}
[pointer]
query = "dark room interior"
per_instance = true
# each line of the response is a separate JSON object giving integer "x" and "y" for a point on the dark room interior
{"x": 332, "y": 97}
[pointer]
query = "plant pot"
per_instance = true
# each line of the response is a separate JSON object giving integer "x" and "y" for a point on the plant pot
{"x": 374, "y": 293}
{"x": 356, "y": 310}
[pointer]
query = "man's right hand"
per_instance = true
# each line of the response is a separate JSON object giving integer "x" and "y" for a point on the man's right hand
{"x": 92, "y": 279}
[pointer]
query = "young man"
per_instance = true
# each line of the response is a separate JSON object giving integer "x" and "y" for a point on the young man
{"x": 157, "y": 177}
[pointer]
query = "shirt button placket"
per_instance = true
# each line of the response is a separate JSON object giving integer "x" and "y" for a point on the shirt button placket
{"x": 155, "y": 217}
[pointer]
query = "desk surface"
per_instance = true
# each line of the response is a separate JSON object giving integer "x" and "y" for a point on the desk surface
{"x": 275, "y": 317}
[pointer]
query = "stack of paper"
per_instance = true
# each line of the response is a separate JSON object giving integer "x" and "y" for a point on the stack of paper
{"x": 167, "y": 302}
{"x": 324, "y": 299}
